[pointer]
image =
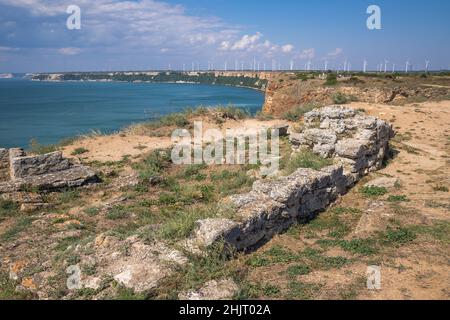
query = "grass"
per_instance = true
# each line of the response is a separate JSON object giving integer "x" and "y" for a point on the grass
{"x": 439, "y": 231}
{"x": 117, "y": 213}
{"x": 340, "y": 98}
{"x": 373, "y": 191}
{"x": 331, "y": 80}
{"x": 305, "y": 159}
{"x": 298, "y": 270}
{"x": 213, "y": 265}
{"x": 79, "y": 151}
{"x": 68, "y": 195}
{"x": 8, "y": 208}
{"x": 372, "y": 245}
{"x": 182, "y": 223}
{"x": 8, "y": 289}
{"x": 440, "y": 188}
{"x": 298, "y": 112}
{"x": 301, "y": 290}
{"x": 21, "y": 224}
{"x": 153, "y": 164}
{"x": 398, "y": 198}
{"x": 92, "y": 211}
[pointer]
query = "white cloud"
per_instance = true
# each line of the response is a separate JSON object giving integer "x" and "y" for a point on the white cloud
{"x": 287, "y": 48}
{"x": 8, "y": 49}
{"x": 334, "y": 54}
{"x": 247, "y": 42}
{"x": 69, "y": 51}
{"x": 307, "y": 54}
{"x": 255, "y": 44}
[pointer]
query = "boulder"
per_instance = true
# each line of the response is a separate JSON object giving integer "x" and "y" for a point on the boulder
{"x": 223, "y": 289}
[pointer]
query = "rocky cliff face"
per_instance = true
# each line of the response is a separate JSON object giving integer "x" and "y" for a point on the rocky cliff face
{"x": 284, "y": 93}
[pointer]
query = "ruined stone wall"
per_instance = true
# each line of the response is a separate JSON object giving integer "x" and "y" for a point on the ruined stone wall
{"x": 44, "y": 172}
{"x": 22, "y": 167}
{"x": 4, "y": 165}
{"x": 357, "y": 143}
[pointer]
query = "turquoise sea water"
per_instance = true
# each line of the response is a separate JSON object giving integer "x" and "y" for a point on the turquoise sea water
{"x": 51, "y": 111}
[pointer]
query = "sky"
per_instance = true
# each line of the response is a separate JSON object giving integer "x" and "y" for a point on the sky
{"x": 153, "y": 34}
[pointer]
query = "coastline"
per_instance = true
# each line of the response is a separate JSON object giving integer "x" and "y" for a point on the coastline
{"x": 155, "y": 82}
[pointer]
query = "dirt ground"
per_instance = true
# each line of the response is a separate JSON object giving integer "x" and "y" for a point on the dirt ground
{"x": 115, "y": 147}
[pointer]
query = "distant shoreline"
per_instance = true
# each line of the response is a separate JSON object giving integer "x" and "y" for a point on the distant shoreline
{"x": 153, "y": 82}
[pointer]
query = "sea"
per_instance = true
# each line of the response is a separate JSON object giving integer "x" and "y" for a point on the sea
{"x": 52, "y": 111}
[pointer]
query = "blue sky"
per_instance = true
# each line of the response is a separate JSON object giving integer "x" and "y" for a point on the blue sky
{"x": 150, "y": 34}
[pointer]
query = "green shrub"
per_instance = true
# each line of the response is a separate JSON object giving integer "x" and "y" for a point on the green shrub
{"x": 79, "y": 151}
{"x": 298, "y": 270}
{"x": 117, "y": 213}
{"x": 340, "y": 98}
{"x": 8, "y": 208}
{"x": 373, "y": 191}
{"x": 153, "y": 164}
{"x": 331, "y": 79}
{"x": 394, "y": 198}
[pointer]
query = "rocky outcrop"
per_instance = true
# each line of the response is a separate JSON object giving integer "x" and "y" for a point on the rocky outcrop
{"x": 131, "y": 262}
{"x": 356, "y": 142}
{"x": 43, "y": 172}
{"x": 224, "y": 289}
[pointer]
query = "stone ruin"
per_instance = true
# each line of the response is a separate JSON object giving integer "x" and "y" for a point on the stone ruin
{"x": 358, "y": 144}
{"x": 20, "y": 173}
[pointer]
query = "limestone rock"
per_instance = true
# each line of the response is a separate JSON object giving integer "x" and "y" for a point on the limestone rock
{"x": 42, "y": 172}
{"x": 131, "y": 262}
{"x": 213, "y": 290}
{"x": 383, "y": 182}
{"x": 282, "y": 129}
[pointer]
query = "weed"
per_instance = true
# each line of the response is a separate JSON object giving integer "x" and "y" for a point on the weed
{"x": 117, "y": 212}
{"x": 373, "y": 191}
{"x": 79, "y": 151}
{"x": 400, "y": 198}
{"x": 21, "y": 224}
{"x": 331, "y": 79}
{"x": 298, "y": 112}
{"x": 8, "y": 208}
{"x": 440, "y": 188}
{"x": 298, "y": 270}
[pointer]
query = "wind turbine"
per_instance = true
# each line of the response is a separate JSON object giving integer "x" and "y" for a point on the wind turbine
{"x": 365, "y": 66}
{"x": 345, "y": 65}
{"x": 385, "y": 65}
{"x": 393, "y": 68}
{"x": 326, "y": 65}
{"x": 427, "y": 64}
{"x": 292, "y": 65}
{"x": 407, "y": 66}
